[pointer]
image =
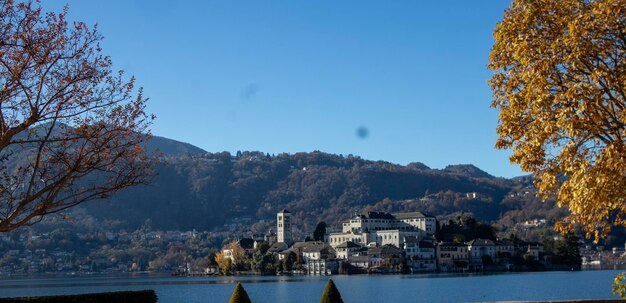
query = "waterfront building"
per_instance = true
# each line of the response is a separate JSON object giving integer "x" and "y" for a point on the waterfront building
{"x": 387, "y": 257}
{"x": 316, "y": 250}
{"x": 420, "y": 255}
{"x": 304, "y": 250}
{"x": 481, "y": 252}
{"x": 364, "y": 262}
{"x": 322, "y": 267}
{"x": 318, "y": 257}
{"x": 535, "y": 250}
{"x": 452, "y": 256}
{"x": 505, "y": 249}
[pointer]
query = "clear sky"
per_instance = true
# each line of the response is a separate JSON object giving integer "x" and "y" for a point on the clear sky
{"x": 400, "y": 81}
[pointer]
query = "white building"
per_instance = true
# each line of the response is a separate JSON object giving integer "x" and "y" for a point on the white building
{"x": 348, "y": 249}
{"x": 378, "y": 229}
{"x": 315, "y": 250}
{"x": 481, "y": 250}
{"x": 322, "y": 267}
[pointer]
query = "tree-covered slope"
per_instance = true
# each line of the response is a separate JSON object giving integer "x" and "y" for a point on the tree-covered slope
{"x": 208, "y": 190}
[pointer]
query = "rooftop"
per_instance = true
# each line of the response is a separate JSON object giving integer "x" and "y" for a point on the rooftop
{"x": 480, "y": 242}
{"x": 394, "y": 216}
{"x": 348, "y": 244}
{"x": 415, "y": 214}
{"x": 451, "y": 244}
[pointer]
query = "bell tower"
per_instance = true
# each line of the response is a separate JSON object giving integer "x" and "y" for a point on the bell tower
{"x": 283, "y": 226}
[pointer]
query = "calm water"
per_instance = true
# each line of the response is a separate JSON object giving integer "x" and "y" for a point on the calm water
{"x": 388, "y": 288}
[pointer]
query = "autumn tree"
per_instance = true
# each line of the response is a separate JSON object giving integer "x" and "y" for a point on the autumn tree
{"x": 560, "y": 85}
{"x": 223, "y": 263}
{"x": 71, "y": 129}
{"x": 237, "y": 254}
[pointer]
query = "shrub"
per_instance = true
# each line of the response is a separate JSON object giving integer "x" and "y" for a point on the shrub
{"x": 141, "y": 296}
{"x": 239, "y": 295}
{"x": 331, "y": 293}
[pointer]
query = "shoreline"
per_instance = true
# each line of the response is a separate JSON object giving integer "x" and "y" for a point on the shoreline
{"x": 167, "y": 274}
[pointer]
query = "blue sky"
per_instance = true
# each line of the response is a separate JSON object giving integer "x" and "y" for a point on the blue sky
{"x": 279, "y": 76}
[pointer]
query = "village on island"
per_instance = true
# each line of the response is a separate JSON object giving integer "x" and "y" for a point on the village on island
{"x": 378, "y": 242}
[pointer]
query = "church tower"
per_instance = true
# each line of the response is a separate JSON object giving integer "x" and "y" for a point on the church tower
{"x": 283, "y": 226}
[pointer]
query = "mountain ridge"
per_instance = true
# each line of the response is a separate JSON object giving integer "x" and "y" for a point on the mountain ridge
{"x": 205, "y": 190}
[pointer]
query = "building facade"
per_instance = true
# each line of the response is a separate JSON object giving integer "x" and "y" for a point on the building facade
{"x": 379, "y": 229}
{"x": 283, "y": 227}
{"x": 420, "y": 255}
{"x": 482, "y": 252}
{"x": 452, "y": 256}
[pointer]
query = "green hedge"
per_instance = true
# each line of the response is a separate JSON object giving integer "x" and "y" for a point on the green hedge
{"x": 141, "y": 296}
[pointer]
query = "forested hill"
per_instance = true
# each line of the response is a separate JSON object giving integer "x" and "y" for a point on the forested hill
{"x": 195, "y": 189}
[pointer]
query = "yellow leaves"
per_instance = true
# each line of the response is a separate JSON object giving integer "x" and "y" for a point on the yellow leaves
{"x": 548, "y": 128}
{"x": 557, "y": 91}
{"x": 224, "y": 263}
{"x": 548, "y": 180}
{"x": 619, "y": 286}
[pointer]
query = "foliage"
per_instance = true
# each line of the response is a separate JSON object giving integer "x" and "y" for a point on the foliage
{"x": 239, "y": 295}
{"x": 238, "y": 255}
{"x": 331, "y": 293}
{"x": 619, "y": 286}
{"x": 263, "y": 262}
{"x": 78, "y": 248}
{"x": 263, "y": 247}
{"x": 567, "y": 251}
{"x": 559, "y": 85}
{"x": 289, "y": 261}
{"x": 320, "y": 231}
{"x": 213, "y": 189}
{"x": 465, "y": 228}
{"x": 224, "y": 263}
{"x": 70, "y": 129}
{"x": 141, "y": 296}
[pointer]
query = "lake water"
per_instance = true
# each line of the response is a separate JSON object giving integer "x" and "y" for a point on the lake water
{"x": 383, "y": 288}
